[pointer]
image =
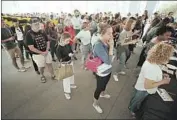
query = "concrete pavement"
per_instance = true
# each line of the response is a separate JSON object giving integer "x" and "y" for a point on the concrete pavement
{"x": 24, "y": 97}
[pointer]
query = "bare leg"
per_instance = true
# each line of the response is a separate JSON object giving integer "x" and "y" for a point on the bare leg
{"x": 14, "y": 62}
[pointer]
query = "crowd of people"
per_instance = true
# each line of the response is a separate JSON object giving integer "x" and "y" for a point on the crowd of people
{"x": 109, "y": 37}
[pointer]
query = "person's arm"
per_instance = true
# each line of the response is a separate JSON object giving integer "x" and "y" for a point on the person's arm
{"x": 100, "y": 51}
{"x": 122, "y": 38}
{"x": 78, "y": 36}
{"x": 30, "y": 43}
{"x": 149, "y": 84}
{"x": 151, "y": 78}
{"x": 8, "y": 39}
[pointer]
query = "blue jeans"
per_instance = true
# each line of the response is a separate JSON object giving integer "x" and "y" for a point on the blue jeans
{"x": 122, "y": 59}
{"x": 136, "y": 100}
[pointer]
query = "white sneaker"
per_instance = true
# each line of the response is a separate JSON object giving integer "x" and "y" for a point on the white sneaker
{"x": 122, "y": 73}
{"x": 97, "y": 108}
{"x": 115, "y": 78}
{"x": 105, "y": 96}
{"x": 27, "y": 67}
{"x": 73, "y": 86}
{"x": 113, "y": 58}
{"x": 22, "y": 70}
{"x": 68, "y": 97}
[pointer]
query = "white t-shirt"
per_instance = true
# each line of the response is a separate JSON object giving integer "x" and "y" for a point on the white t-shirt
{"x": 19, "y": 34}
{"x": 149, "y": 71}
{"x": 95, "y": 38}
{"x": 84, "y": 36}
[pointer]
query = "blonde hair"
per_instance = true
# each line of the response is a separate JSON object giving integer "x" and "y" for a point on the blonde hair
{"x": 128, "y": 24}
{"x": 160, "y": 53}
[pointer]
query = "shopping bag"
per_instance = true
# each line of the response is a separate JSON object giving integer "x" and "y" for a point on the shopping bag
{"x": 64, "y": 71}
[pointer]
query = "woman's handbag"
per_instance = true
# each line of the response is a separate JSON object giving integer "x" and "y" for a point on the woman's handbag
{"x": 64, "y": 71}
{"x": 92, "y": 62}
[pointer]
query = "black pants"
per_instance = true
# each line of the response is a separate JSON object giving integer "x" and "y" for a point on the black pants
{"x": 143, "y": 25}
{"x": 53, "y": 48}
{"x": 142, "y": 58}
{"x": 34, "y": 64}
{"x": 101, "y": 85}
{"x": 21, "y": 45}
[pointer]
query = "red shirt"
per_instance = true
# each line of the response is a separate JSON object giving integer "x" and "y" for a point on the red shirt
{"x": 71, "y": 31}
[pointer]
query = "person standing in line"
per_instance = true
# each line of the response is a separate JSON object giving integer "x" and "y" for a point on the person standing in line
{"x": 8, "y": 41}
{"x": 123, "y": 43}
{"x": 27, "y": 28}
{"x": 76, "y": 22}
{"x": 39, "y": 44}
{"x": 19, "y": 36}
{"x": 69, "y": 28}
{"x": 85, "y": 37}
{"x": 52, "y": 36}
{"x": 101, "y": 50}
{"x": 64, "y": 54}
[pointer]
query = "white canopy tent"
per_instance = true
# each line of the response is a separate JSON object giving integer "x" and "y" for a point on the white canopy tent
{"x": 84, "y": 6}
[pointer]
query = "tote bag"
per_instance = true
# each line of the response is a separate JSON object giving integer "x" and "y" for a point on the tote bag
{"x": 64, "y": 71}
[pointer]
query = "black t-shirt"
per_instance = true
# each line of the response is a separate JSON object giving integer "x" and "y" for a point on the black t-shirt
{"x": 5, "y": 34}
{"x": 39, "y": 40}
{"x": 62, "y": 53}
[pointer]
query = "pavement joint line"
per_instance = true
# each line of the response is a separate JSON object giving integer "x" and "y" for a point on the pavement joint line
{"x": 34, "y": 96}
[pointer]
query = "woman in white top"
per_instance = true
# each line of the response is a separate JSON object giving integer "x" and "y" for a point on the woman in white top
{"x": 151, "y": 77}
{"x": 85, "y": 37}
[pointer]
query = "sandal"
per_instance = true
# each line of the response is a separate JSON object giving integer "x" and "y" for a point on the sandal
{"x": 43, "y": 79}
{"x": 53, "y": 77}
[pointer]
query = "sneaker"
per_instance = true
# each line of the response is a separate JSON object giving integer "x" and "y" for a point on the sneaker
{"x": 115, "y": 78}
{"x": 26, "y": 67}
{"x": 67, "y": 96}
{"x": 113, "y": 58}
{"x": 85, "y": 69}
{"x": 53, "y": 77}
{"x": 37, "y": 72}
{"x": 43, "y": 79}
{"x": 105, "y": 96}
{"x": 73, "y": 86}
{"x": 22, "y": 70}
{"x": 122, "y": 73}
{"x": 97, "y": 108}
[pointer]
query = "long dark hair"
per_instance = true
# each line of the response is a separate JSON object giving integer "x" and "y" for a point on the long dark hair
{"x": 138, "y": 25}
{"x": 27, "y": 28}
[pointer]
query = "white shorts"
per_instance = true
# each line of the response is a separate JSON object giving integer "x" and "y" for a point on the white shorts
{"x": 41, "y": 60}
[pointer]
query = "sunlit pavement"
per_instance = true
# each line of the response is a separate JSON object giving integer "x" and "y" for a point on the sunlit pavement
{"x": 24, "y": 97}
